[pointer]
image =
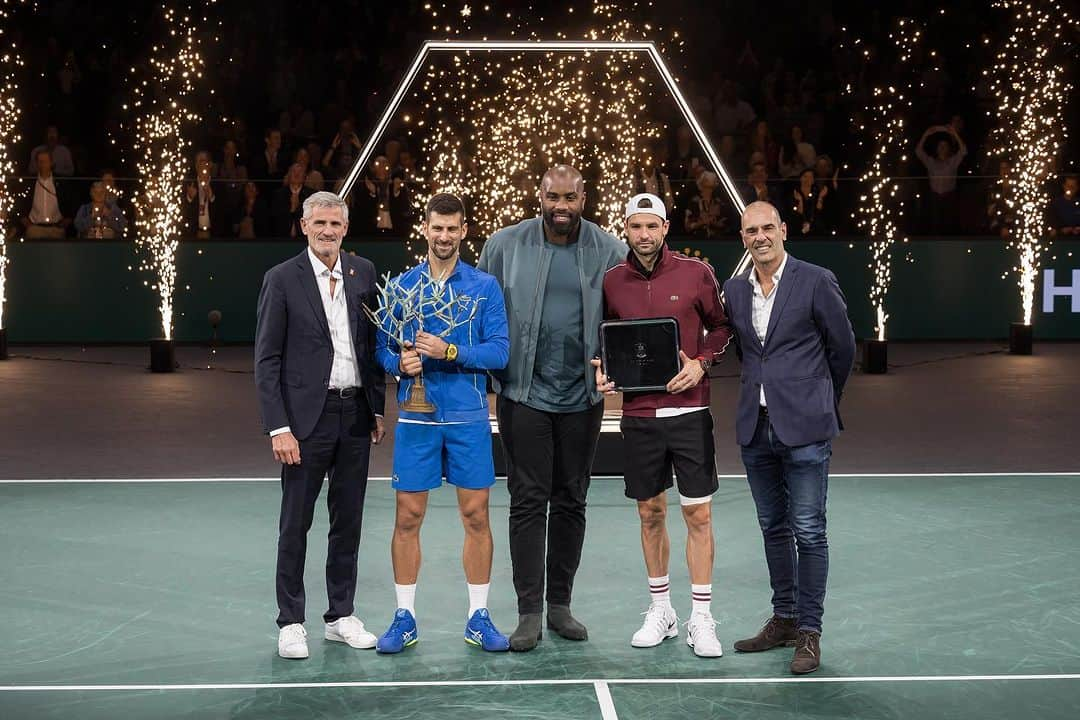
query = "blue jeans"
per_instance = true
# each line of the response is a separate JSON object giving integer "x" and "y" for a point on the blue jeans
{"x": 789, "y": 485}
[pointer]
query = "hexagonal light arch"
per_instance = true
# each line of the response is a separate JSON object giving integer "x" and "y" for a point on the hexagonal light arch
{"x": 547, "y": 46}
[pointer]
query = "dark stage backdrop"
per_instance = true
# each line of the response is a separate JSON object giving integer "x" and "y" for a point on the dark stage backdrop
{"x": 84, "y": 292}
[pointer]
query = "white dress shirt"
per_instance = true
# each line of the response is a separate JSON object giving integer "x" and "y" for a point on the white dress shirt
{"x": 344, "y": 372}
{"x": 762, "y": 308}
{"x": 45, "y": 210}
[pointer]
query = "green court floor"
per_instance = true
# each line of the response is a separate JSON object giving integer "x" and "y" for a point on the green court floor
{"x": 950, "y": 596}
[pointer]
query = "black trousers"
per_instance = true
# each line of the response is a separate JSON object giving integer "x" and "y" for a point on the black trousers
{"x": 339, "y": 446}
{"x": 549, "y": 458}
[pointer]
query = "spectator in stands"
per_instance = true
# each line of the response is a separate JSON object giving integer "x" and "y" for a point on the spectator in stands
{"x": 47, "y": 215}
{"x": 252, "y": 218}
{"x": 732, "y": 114}
{"x": 62, "y": 164}
{"x": 687, "y": 154}
{"x": 202, "y": 218}
{"x": 796, "y": 154}
{"x": 270, "y": 163}
{"x": 99, "y": 219}
{"x": 757, "y": 188}
{"x": 1065, "y": 209}
{"x": 807, "y": 203}
{"x": 229, "y": 178}
{"x": 343, "y": 151}
{"x": 827, "y": 219}
{"x": 288, "y": 204}
{"x": 941, "y": 167}
{"x": 383, "y": 202}
{"x": 761, "y": 141}
{"x": 648, "y": 178}
{"x": 708, "y": 214}
{"x": 1000, "y": 217}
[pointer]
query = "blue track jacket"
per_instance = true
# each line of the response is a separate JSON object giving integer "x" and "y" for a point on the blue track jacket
{"x": 457, "y": 389}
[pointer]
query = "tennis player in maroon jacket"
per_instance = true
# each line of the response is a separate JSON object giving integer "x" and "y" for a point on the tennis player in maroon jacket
{"x": 673, "y": 429}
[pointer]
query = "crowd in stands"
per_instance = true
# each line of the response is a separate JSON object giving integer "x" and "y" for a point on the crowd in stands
{"x": 288, "y": 118}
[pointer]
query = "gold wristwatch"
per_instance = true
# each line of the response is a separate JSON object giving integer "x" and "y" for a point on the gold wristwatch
{"x": 451, "y": 352}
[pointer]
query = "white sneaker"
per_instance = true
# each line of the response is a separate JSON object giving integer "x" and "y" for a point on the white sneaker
{"x": 660, "y": 624}
{"x": 292, "y": 642}
{"x": 351, "y": 631}
{"x": 701, "y": 635}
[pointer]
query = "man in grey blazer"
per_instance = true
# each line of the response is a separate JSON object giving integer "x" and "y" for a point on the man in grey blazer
{"x": 797, "y": 349}
{"x": 321, "y": 397}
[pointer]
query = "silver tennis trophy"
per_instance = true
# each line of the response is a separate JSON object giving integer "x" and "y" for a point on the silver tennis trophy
{"x": 430, "y": 305}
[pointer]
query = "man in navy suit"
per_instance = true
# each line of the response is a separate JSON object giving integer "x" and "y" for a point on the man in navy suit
{"x": 797, "y": 349}
{"x": 321, "y": 396}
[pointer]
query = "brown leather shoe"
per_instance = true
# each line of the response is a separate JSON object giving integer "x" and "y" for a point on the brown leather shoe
{"x": 807, "y": 652}
{"x": 776, "y": 632}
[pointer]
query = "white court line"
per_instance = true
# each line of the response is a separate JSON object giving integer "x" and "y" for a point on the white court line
{"x": 595, "y": 477}
{"x": 603, "y": 696}
{"x": 593, "y": 682}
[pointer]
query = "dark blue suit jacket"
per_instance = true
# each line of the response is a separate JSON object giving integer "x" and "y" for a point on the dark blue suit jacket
{"x": 293, "y": 350}
{"x": 808, "y": 353}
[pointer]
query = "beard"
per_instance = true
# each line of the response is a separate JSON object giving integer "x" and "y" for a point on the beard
{"x": 561, "y": 229}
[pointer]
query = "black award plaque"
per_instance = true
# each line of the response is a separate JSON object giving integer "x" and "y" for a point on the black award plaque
{"x": 640, "y": 355}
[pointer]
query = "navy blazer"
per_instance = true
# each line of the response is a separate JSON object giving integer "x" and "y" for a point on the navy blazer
{"x": 293, "y": 350}
{"x": 808, "y": 353}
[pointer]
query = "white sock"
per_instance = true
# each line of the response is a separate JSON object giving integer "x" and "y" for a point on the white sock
{"x": 701, "y": 599}
{"x": 660, "y": 590}
{"x": 478, "y": 595}
{"x": 406, "y": 597}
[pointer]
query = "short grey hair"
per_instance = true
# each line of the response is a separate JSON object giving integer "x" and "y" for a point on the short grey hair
{"x": 324, "y": 199}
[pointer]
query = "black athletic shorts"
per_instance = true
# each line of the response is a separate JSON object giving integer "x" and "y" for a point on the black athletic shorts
{"x": 654, "y": 446}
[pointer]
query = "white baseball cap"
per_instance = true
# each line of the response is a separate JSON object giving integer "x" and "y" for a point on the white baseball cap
{"x": 646, "y": 203}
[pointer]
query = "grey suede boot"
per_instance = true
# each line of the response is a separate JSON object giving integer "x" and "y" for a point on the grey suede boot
{"x": 561, "y": 621}
{"x": 527, "y": 634}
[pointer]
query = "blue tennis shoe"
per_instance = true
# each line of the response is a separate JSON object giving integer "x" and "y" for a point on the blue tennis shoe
{"x": 480, "y": 631}
{"x": 401, "y": 634}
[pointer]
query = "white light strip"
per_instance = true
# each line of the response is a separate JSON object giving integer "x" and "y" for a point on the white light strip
{"x": 549, "y": 46}
{"x": 553, "y": 682}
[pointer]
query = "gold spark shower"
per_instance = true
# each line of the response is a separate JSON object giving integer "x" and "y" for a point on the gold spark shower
{"x": 491, "y": 124}
{"x": 882, "y": 206}
{"x": 10, "y": 63}
{"x": 1031, "y": 90}
{"x": 161, "y": 105}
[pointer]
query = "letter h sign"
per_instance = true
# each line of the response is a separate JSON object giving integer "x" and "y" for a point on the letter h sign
{"x": 1050, "y": 291}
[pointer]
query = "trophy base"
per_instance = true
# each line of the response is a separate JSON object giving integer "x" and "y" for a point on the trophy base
{"x": 417, "y": 401}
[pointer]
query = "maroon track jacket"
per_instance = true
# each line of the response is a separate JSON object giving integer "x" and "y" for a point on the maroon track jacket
{"x": 679, "y": 287}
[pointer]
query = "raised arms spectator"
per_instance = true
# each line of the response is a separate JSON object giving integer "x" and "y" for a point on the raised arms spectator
{"x": 343, "y": 150}
{"x": 62, "y": 164}
{"x": 99, "y": 219}
{"x": 941, "y": 169}
{"x": 46, "y": 216}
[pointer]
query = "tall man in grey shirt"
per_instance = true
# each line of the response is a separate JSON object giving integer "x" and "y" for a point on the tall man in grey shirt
{"x": 551, "y": 270}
